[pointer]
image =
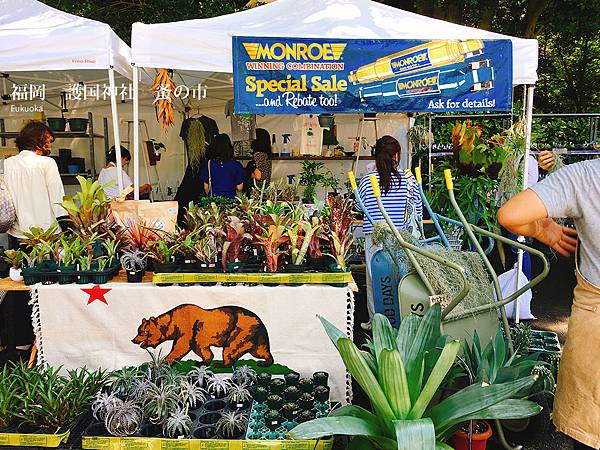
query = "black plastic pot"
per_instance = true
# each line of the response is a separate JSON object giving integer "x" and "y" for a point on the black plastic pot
{"x": 236, "y": 435}
{"x": 165, "y": 267}
{"x": 27, "y": 428}
{"x": 56, "y": 123}
{"x": 264, "y": 379}
{"x": 306, "y": 385}
{"x": 205, "y": 432}
{"x": 215, "y": 405}
{"x": 78, "y": 125}
{"x": 320, "y": 378}
{"x": 292, "y": 378}
{"x": 316, "y": 264}
{"x": 306, "y": 401}
{"x": 289, "y": 410}
{"x": 291, "y": 393}
{"x": 321, "y": 393}
{"x": 305, "y": 416}
{"x": 273, "y": 420}
{"x": 66, "y": 274}
{"x": 260, "y": 394}
{"x": 277, "y": 386}
{"x": 135, "y": 276}
{"x": 296, "y": 268}
{"x": 209, "y": 418}
{"x": 274, "y": 401}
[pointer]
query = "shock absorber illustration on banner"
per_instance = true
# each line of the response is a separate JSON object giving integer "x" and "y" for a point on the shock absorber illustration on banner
{"x": 308, "y": 76}
{"x": 425, "y": 56}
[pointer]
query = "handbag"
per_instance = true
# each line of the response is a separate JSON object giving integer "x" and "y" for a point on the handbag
{"x": 8, "y": 213}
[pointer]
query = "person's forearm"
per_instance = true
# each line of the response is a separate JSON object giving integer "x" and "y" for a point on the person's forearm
{"x": 528, "y": 229}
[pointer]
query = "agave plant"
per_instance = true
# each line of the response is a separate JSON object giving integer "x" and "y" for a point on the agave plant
{"x": 244, "y": 375}
{"x": 124, "y": 419}
{"x": 218, "y": 387}
{"x": 178, "y": 423}
{"x": 200, "y": 375}
{"x": 190, "y": 394}
{"x": 232, "y": 424}
{"x": 401, "y": 376}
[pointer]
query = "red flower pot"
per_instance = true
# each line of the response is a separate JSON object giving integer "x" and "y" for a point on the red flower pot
{"x": 460, "y": 439}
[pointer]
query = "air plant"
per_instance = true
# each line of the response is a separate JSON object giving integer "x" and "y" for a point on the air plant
{"x": 232, "y": 424}
{"x": 134, "y": 260}
{"x": 190, "y": 394}
{"x": 158, "y": 369}
{"x": 200, "y": 375}
{"x": 178, "y": 423}
{"x": 218, "y": 387}
{"x": 104, "y": 402}
{"x": 122, "y": 380}
{"x": 238, "y": 397}
{"x": 244, "y": 375}
{"x": 124, "y": 419}
{"x": 159, "y": 401}
{"x": 234, "y": 237}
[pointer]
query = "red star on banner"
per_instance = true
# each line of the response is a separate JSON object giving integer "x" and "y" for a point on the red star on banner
{"x": 96, "y": 293}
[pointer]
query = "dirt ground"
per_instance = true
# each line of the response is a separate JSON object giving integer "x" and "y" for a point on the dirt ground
{"x": 551, "y": 306}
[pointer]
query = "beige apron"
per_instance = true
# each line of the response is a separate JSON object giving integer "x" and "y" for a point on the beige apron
{"x": 577, "y": 402}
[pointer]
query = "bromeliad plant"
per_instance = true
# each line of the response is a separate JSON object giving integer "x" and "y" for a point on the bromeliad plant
{"x": 401, "y": 374}
{"x": 339, "y": 235}
{"x": 89, "y": 209}
{"x": 235, "y": 235}
{"x": 272, "y": 237}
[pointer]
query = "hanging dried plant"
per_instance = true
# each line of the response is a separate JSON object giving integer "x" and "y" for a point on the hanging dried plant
{"x": 163, "y": 89}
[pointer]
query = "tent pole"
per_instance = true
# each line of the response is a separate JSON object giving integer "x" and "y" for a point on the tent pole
{"x": 115, "y": 121}
{"x": 136, "y": 135}
{"x": 528, "y": 110}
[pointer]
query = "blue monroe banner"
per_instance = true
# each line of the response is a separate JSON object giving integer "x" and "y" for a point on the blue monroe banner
{"x": 296, "y": 75}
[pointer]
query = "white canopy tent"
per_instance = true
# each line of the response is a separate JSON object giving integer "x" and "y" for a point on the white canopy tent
{"x": 42, "y": 44}
{"x": 205, "y": 45}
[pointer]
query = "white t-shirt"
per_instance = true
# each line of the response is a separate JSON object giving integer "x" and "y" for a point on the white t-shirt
{"x": 36, "y": 188}
{"x": 109, "y": 174}
{"x": 311, "y": 134}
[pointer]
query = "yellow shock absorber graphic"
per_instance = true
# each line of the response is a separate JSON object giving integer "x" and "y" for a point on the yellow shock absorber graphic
{"x": 424, "y": 56}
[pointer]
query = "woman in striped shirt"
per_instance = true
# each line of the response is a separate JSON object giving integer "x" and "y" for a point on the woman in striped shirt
{"x": 400, "y": 196}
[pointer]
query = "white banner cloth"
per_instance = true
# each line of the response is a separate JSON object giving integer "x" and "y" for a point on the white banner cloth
{"x": 93, "y": 326}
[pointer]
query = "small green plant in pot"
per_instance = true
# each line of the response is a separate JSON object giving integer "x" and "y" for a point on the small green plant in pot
{"x": 232, "y": 425}
{"x": 401, "y": 374}
{"x": 163, "y": 253}
{"x": 15, "y": 259}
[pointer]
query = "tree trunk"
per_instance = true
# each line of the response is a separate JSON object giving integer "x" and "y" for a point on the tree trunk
{"x": 487, "y": 12}
{"x": 425, "y": 7}
{"x": 532, "y": 14}
{"x": 454, "y": 11}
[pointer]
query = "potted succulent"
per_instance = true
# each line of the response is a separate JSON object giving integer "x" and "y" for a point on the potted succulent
{"x": 238, "y": 398}
{"x": 200, "y": 375}
{"x": 159, "y": 401}
{"x": 260, "y": 394}
{"x": 244, "y": 375}
{"x": 134, "y": 263}
{"x": 218, "y": 387}
{"x": 190, "y": 394}
{"x": 277, "y": 386}
{"x": 15, "y": 259}
{"x": 124, "y": 419}
{"x": 178, "y": 424}
{"x": 232, "y": 425}
{"x": 480, "y": 432}
{"x": 301, "y": 235}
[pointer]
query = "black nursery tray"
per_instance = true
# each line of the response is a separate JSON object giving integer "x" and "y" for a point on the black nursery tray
{"x": 48, "y": 275}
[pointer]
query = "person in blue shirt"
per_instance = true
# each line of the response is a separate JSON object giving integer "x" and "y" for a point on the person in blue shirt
{"x": 222, "y": 175}
{"x": 400, "y": 197}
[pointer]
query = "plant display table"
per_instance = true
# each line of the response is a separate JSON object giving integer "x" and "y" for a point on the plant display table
{"x": 111, "y": 325}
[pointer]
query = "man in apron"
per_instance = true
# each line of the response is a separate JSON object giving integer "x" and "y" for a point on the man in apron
{"x": 574, "y": 192}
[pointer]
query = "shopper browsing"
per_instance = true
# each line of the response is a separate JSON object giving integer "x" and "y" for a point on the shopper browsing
{"x": 222, "y": 176}
{"x": 34, "y": 183}
{"x": 109, "y": 175}
{"x": 259, "y": 168}
{"x": 399, "y": 194}
{"x": 570, "y": 192}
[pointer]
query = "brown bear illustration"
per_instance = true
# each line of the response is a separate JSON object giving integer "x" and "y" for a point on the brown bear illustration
{"x": 192, "y": 328}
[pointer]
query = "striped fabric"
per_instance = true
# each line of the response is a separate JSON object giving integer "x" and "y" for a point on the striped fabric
{"x": 395, "y": 202}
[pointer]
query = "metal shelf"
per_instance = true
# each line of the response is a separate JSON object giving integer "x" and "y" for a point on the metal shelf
{"x": 57, "y": 135}
{"x": 314, "y": 158}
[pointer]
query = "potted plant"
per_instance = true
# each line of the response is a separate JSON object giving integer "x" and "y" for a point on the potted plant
{"x": 272, "y": 237}
{"x": 134, "y": 263}
{"x": 479, "y": 430}
{"x": 124, "y": 419}
{"x": 218, "y": 387}
{"x": 190, "y": 394}
{"x": 15, "y": 259}
{"x": 244, "y": 375}
{"x": 178, "y": 424}
{"x": 200, "y": 375}
{"x": 235, "y": 235}
{"x": 339, "y": 235}
{"x": 206, "y": 252}
{"x": 163, "y": 252}
{"x": 407, "y": 413}
{"x": 310, "y": 177}
{"x": 232, "y": 425}
{"x": 89, "y": 209}
{"x": 238, "y": 397}
{"x": 159, "y": 401}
